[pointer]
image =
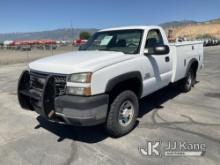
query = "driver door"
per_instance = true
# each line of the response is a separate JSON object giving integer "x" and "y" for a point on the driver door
{"x": 159, "y": 67}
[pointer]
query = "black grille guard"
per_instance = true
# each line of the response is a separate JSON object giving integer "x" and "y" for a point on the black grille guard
{"x": 29, "y": 99}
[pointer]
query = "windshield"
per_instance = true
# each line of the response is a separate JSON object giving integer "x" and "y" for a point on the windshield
{"x": 126, "y": 41}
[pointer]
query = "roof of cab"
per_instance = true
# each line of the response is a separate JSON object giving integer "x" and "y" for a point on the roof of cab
{"x": 130, "y": 27}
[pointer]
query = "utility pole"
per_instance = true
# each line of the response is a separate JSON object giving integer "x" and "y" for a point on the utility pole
{"x": 72, "y": 33}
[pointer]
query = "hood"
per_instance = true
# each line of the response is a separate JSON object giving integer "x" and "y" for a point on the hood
{"x": 78, "y": 61}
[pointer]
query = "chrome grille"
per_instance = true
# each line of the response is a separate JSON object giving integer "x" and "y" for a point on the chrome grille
{"x": 38, "y": 79}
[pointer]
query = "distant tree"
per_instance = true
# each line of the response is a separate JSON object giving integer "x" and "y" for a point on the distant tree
{"x": 84, "y": 35}
{"x": 204, "y": 36}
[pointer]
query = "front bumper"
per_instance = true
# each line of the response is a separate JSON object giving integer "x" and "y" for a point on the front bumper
{"x": 84, "y": 111}
{"x": 74, "y": 110}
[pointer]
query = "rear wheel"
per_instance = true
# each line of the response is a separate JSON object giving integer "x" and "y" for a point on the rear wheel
{"x": 122, "y": 114}
{"x": 188, "y": 82}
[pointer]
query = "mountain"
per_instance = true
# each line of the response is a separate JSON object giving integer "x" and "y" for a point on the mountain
{"x": 193, "y": 29}
{"x": 58, "y": 34}
{"x": 178, "y": 23}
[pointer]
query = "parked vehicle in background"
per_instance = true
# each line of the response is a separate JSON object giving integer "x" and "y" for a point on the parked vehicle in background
{"x": 62, "y": 43}
{"x": 205, "y": 42}
{"x": 7, "y": 43}
{"x": 103, "y": 82}
{"x": 211, "y": 42}
{"x": 47, "y": 44}
{"x": 79, "y": 42}
{"x": 23, "y": 45}
{"x": 29, "y": 44}
{"x": 216, "y": 42}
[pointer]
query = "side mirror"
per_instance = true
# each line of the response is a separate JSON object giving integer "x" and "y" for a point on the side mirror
{"x": 158, "y": 50}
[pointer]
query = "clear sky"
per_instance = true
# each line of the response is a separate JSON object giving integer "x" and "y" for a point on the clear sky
{"x": 38, "y": 15}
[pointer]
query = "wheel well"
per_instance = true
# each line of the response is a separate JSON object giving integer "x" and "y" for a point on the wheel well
{"x": 133, "y": 84}
{"x": 194, "y": 66}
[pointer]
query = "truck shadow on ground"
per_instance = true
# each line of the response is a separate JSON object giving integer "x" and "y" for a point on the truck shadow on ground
{"x": 97, "y": 133}
{"x": 155, "y": 100}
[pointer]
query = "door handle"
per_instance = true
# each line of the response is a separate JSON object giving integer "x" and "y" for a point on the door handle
{"x": 167, "y": 59}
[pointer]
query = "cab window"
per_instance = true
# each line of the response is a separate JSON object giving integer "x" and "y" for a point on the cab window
{"x": 154, "y": 38}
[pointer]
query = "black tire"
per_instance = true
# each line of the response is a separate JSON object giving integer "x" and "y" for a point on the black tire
{"x": 113, "y": 125}
{"x": 188, "y": 82}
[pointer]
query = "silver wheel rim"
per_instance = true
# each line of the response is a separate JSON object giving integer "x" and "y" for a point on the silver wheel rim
{"x": 126, "y": 113}
{"x": 189, "y": 81}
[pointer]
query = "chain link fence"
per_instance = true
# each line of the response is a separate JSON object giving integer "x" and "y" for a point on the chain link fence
{"x": 28, "y": 54}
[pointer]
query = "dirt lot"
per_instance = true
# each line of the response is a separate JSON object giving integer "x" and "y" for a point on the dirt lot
{"x": 194, "y": 117}
{"x": 18, "y": 56}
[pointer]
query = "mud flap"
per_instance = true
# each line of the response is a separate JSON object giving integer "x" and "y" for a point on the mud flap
{"x": 23, "y": 85}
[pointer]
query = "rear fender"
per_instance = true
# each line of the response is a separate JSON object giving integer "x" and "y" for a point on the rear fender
{"x": 190, "y": 65}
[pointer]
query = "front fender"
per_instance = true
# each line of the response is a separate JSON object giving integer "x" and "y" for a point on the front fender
{"x": 123, "y": 77}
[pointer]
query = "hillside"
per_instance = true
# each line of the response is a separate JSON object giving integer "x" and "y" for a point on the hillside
{"x": 174, "y": 24}
{"x": 192, "y": 29}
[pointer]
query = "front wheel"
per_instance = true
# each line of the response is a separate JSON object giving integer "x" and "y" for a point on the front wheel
{"x": 122, "y": 114}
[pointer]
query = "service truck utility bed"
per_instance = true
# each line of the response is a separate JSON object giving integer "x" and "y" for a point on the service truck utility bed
{"x": 182, "y": 53}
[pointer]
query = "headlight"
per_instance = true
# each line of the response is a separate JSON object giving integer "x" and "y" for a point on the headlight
{"x": 80, "y": 77}
{"x": 85, "y": 91}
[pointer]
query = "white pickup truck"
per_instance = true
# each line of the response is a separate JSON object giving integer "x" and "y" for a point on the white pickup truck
{"x": 104, "y": 80}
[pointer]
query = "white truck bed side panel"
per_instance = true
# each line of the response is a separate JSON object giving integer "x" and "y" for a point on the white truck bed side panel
{"x": 182, "y": 54}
